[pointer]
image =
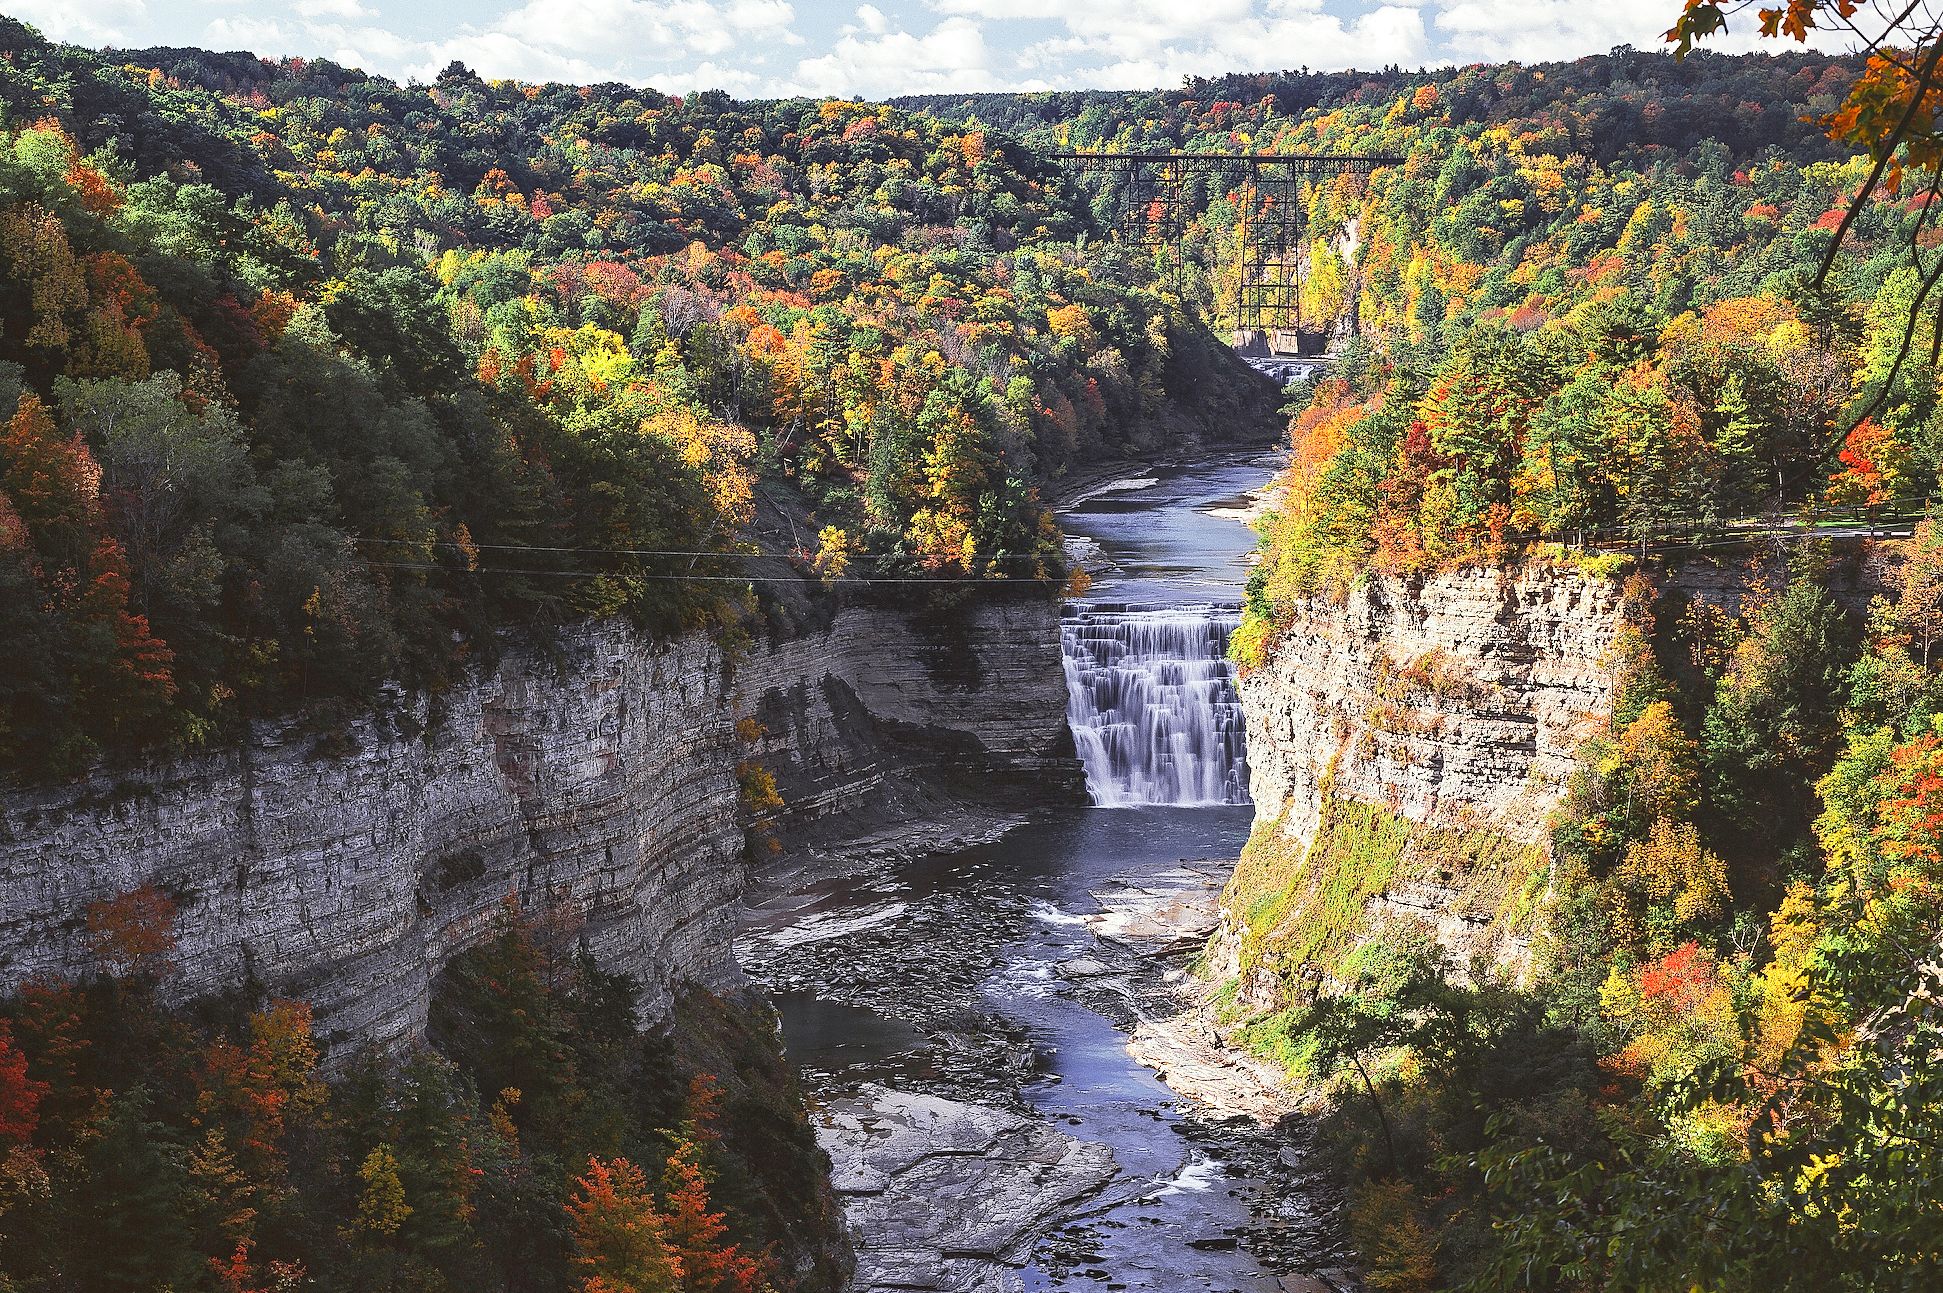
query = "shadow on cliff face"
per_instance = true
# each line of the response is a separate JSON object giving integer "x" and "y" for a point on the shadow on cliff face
{"x": 1214, "y": 399}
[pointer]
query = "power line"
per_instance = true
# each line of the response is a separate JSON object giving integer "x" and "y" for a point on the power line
{"x": 650, "y": 552}
{"x": 707, "y": 579}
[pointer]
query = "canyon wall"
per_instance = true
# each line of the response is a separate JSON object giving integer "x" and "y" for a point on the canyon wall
{"x": 596, "y": 779}
{"x": 891, "y": 730}
{"x": 1459, "y": 699}
{"x": 1405, "y": 749}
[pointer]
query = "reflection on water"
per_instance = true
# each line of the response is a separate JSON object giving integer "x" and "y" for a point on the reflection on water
{"x": 833, "y": 1035}
{"x": 1165, "y": 545}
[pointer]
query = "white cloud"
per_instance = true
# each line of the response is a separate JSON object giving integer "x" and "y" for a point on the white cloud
{"x": 883, "y": 47}
{"x": 1535, "y": 30}
{"x": 1529, "y": 31}
{"x": 677, "y": 45}
{"x": 605, "y": 29}
{"x": 951, "y": 57}
{"x": 85, "y": 22}
{"x": 772, "y": 16}
{"x": 315, "y": 9}
{"x": 1149, "y": 43}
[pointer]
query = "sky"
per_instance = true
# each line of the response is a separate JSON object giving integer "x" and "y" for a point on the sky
{"x": 762, "y": 48}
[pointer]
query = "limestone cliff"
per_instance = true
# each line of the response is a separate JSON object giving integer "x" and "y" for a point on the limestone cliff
{"x": 1405, "y": 748}
{"x": 893, "y": 729}
{"x": 596, "y": 779}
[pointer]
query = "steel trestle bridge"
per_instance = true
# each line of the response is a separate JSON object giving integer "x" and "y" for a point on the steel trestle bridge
{"x": 1159, "y": 192}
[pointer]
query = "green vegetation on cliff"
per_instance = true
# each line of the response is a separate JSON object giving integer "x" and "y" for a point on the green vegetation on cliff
{"x": 1305, "y": 912}
{"x": 1721, "y": 1070}
{"x": 1724, "y": 1014}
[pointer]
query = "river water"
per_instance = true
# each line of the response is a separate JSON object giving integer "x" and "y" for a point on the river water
{"x": 944, "y": 974}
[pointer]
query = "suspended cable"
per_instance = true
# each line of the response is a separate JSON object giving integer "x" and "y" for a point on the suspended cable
{"x": 708, "y": 579}
{"x": 652, "y": 552}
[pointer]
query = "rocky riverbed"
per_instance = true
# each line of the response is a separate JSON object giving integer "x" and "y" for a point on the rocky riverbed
{"x": 965, "y": 1022}
{"x": 942, "y": 1194}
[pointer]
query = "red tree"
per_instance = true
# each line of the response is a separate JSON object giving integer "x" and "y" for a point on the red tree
{"x": 620, "y": 1232}
{"x": 20, "y": 1095}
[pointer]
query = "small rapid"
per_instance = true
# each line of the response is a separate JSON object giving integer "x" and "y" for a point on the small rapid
{"x": 1151, "y": 700}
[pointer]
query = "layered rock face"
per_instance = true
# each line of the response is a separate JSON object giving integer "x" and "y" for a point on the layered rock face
{"x": 597, "y": 781}
{"x": 894, "y": 730}
{"x": 1457, "y": 701}
{"x": 601, "y": 790}
{"x": 1405, "y": 750}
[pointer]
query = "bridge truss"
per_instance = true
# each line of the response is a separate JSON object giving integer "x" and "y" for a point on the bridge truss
{"x": 1157, "y": 193}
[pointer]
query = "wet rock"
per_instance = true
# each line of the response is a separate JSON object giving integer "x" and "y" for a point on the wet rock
{"x": 1150, "y": 928}
{"x": 949, "y": 1195}
{"x": 1173, "y": 911}
{"x": 1308, "y": 1284}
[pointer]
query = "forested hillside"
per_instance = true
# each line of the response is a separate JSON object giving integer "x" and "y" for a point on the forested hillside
{"x": 313, "y": 379}
{"x": 1525, "y": 190}
{"x": 1583, "y": 305}
{"x": 312, "y": 382}
{"x": 545, "y": 1143}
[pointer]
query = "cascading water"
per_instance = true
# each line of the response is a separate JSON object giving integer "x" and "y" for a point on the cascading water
{"x": 1150, "y": 696}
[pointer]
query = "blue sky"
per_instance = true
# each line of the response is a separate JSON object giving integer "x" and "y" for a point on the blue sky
{"x": 886, "y": 47}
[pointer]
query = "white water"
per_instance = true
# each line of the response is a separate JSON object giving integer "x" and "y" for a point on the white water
{"x": 1151, "y": 699}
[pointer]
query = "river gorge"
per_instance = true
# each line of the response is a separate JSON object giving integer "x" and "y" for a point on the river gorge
{"x": 1007, "y": 829}
{"x": 965, "y": 1016}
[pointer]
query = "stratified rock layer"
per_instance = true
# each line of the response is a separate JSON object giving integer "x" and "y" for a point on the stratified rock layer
{"x": 1460, "y": 700}
{"x": 347, "y": 872}
{"x": 1406, "y": 748}
{"x": 895, "y": 731}
{"x": 597, "y": 781}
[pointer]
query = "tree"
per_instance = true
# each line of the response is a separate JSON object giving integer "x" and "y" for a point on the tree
{"x": 1658, "y": 761}
{"x": 1560, "y": 486}
{"x": 169, "y": 478}
{"x": 1667, "y": 885}
{"x": 619, "y": 1231}
{"x": 132, "y": 935}
{"x": 119, "y": 677}
{"x": 20, "y": 1095}
{"x": 382, "y": 1209}
{"x": 133, "y": 1196}
{"x": 695, "y": 1235}
{"x": 1919, "y": 582}
{"x": 1890, "y": 113}
{"x": 1478, "y": 412}
{"x": 1875, "y": 468}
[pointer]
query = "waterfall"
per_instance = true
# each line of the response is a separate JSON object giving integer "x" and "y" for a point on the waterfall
{"x": 1150, "y": 696}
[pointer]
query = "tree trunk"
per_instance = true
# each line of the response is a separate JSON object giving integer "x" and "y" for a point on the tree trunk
{"x": 1383, "y": 1119}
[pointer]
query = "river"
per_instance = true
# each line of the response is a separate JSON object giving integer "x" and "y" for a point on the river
{"x": 977, "y": 975}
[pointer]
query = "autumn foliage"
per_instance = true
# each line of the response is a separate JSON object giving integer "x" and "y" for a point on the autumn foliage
{"x": 215, "y": 1152}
